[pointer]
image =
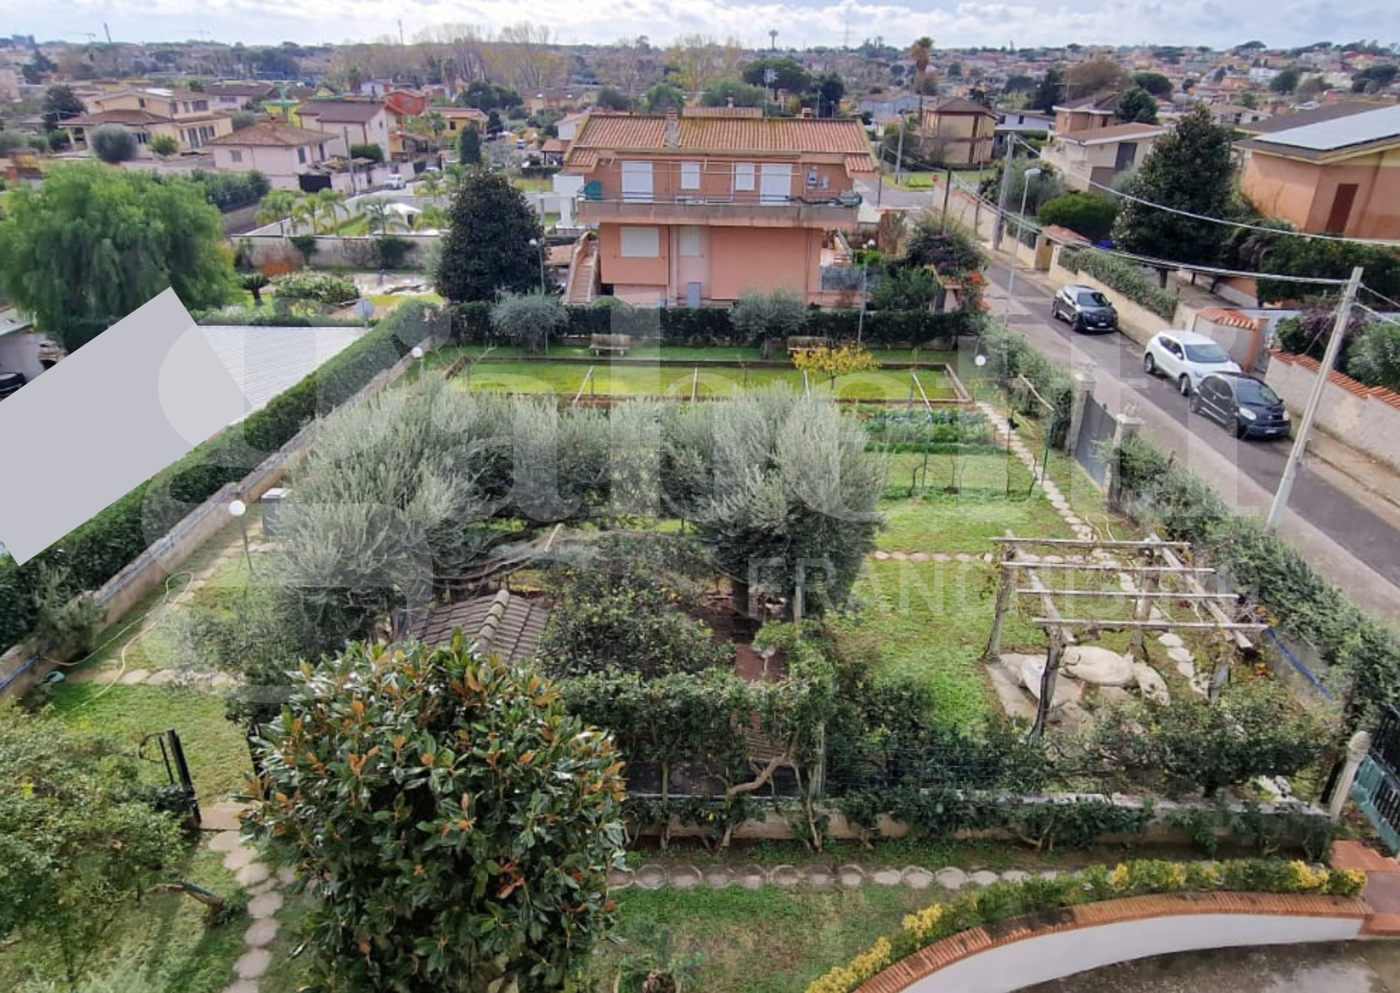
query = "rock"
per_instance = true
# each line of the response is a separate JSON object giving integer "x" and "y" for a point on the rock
{"x": 984, "y": 877}
{"x": 917, "y": 879}
{"x": 1112, "y": 696}
{"x": 785, "y": 876}
{"x": 1151, "y": 683}
{"x": 1180, "y": 655}
{"x": 649, "y": 877}
{"x": 718, "y": 877}
{"x": 1016, "y": 665}
{"x": 850, "y": 875}
{"x": 225, "y": 841}
{"x": 1170, "y": 640}
{"x": 1014, "y": 876}
{"x": 818, "y": 876}
{"x": 683, "y": 877}
{"x": 251, "y": 874}
{"x": 1066, "y": 690}
{"x": 1099, "y": 666}
{"x": 751, "y": 877}
{"x": 950, "y": 878}
{"x": 886, "y": 877}
{"x": 619, "y": 879}
{"x": 252, "y": 964}
{"x": 260, "y": 933}
{"x": 264, "y": 906}
{"x": 238, "y": 858}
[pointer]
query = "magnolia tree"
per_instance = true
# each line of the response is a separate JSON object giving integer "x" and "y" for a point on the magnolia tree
{"x": 455, "y": 824}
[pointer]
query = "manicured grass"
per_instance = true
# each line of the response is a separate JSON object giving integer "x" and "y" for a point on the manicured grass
{"x": 215, "y": 749}
{"x": 446, "y": 356}
{"x": 390, "y": 300}
{"x": 165, "y": 936}
{"x": 627, "y": 380}
{"x": 533, "y": 185}
{"x": 768, "y": 940}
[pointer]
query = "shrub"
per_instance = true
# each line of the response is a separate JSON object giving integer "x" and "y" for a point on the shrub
{"x": 231, "y": 190}
{"x": 322, "y": 287}
{"x": 912, "y": 288}
{"x": 163, "y": 145}
{"x": 951, "y": 249}
{"x": 757, "y": 315}
{"x": 1122, "y": 277}
{"x": 1010, "y": 355}
{"x": 305, "y": 244}
{"x": 369, "y": 151}
{"x": 10, "y": 142}
{"x": 528, "y": 319}
{"x": 1087, "y": 214}
{"x": 1375, "y": 356}
{"x": 390, "y": 251}
{"x": 113, "y": 144}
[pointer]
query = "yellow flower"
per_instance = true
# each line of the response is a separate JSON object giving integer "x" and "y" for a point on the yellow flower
{"x": 1119, "y": 877}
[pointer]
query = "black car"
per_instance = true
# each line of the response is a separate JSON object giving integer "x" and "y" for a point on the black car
{"x": 10, "y": 382}
{"x": 1085, "y": 308}
{"x": 1242, "y": 403}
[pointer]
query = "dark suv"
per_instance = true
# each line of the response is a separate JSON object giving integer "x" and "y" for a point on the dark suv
{"x": 1085, "y": 308}
{"x": 1243, "y": 404}
{"x": 10, "y": 382}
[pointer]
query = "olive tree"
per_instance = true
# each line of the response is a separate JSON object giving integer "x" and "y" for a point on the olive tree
{"x": 758, "y": 315}
{"x": 455, "y": 824}
{"x": 114, "y": 144}
{"x": 528, "y": 319}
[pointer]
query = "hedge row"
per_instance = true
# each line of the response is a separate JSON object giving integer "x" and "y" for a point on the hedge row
{"x": 711, "y": 325}
{"x": 1364, "y": 653}
{"x": 97, "y": 550}
{"x": 1010, "y": 355}
{"x": 269, "y": 318}
{"x": 1124, "y": 277}
{"x": 1003, "y": 901}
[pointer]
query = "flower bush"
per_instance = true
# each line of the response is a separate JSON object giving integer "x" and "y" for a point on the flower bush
{"x": 1139, "y": 878}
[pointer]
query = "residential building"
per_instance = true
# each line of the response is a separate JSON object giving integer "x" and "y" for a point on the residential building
{"x": 1235, "y": 115}
{"x": 1093, "y": 157}
{"x": 567, "y": 99}
{"x": 888, "y": 106}
{"x": 460, "y": 118}
{"x": 233, "y": 96}
{"x": 280, "y": 152}
{"x": 1089, "y": 114}
{"x": 1287, "y": 119}
{"x": 401, "y": 107}
{"x": 359, "y": 122}
{"x": 958, "y": 132}
{"x": 697, "y": 210}
{"x": 152, "y": 112}
{"x": 1338, "y": 176}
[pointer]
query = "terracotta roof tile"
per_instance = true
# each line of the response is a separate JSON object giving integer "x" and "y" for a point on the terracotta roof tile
{"x": 1229, "y": 318}
{"x": 341, "y": 111}
{"x": 131, "y": 118}
{"x": 785, "y": 135}
{"x": 270, "y": 134}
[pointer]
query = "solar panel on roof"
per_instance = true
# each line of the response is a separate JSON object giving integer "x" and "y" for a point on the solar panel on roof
{"x": 1341, "y": 132}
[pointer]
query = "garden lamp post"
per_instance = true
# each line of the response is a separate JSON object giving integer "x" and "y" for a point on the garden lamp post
{"x": 864, "y": 291}
{"x": 1028, "y": 175}
{"x": 539, "y": 256}
{"x": 417, "y": 353}
{"x": 238, "y": 509}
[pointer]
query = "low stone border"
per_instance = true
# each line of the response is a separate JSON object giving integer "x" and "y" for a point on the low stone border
{"x": 818, "y": 875}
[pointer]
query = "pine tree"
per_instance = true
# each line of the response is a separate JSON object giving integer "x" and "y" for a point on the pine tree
{"x": 488, "y": 248}
{"x": 1188, "y": 169}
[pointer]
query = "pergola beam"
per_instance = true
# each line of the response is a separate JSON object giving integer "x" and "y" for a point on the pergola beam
{"x": 1164, "y": 624}
{"x": 1100, "y": 567}
{"x": 1093, "y": 542}
{"x": 1130, "y": 595}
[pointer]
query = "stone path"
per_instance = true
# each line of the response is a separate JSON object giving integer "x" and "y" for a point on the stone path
{"x": 264, "y": 889}
{"x": 683, "y": 876}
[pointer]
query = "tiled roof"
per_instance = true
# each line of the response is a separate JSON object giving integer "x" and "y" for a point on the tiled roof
{"x": 249, "y": 90}
{"x": 1228, "y": 318}
{"x": 1302, "y": 118}
{"x": 341, "y": 111}
{"x": 1118, "y": 132}
{"x": 131, "y": 118}
{"x": 860, "y": 163}
{"x": 639, "y": 132}
{"x": 1064, "y": 236}
{"x": 270, "y": 134}
{"x": 553, "y": 145}
{"x": 512, "y": 637}
{"x": 957, "y": 105}
{"x": 582, "y": 158}
{"x": 1101, "y": 103}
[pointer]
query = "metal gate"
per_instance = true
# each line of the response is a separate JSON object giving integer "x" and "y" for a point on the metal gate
{"x": 1377, "y": 787}
{"x": 1098, "y": 426}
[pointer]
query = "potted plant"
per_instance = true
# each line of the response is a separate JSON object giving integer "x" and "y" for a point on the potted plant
{"x": 651, "y": 966}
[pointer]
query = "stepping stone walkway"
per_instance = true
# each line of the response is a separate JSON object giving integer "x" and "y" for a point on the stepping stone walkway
{"x": 254, "y": 876}
{"x": 684, "y": 876}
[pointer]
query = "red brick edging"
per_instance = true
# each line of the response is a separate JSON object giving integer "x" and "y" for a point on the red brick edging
{"x": 941, "y": 954}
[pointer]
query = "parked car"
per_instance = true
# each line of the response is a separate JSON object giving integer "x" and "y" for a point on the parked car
{"x": 394, "y": 182}
{"x": 10, "y": 382}
{"x": 1186, "y": 357}
{"x": 1085, "y": 308}
{"x": 1242, "y": 403}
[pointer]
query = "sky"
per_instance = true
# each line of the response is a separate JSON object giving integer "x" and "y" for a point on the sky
{"x": 800, "y": 23}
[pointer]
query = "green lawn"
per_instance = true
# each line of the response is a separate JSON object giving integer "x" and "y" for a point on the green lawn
{"x": 768, "y": 940}
{"x": 446, "y": 356}
{"x": 215, "y": 749}
{"x": 643, "y": 380}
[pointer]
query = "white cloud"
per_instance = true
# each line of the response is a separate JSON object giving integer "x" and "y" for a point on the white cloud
{"x": 1025, "y": 23}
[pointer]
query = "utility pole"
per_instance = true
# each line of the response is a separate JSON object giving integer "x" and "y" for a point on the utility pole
{"x": 350, "y": 155}
{"x": 899, "y": 153}
{"x": 1001, "y": 195}
{"x": 1300, "y": 439}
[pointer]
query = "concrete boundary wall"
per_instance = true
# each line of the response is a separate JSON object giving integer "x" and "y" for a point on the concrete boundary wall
{"x": 1365, "y": 417}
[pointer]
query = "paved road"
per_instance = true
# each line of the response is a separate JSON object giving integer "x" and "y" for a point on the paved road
{"x": 1354, "y": 968}
{"x": 1355, "y": 542}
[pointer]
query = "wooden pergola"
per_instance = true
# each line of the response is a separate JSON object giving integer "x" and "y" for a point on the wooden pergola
{"x": 1161, "y": 580}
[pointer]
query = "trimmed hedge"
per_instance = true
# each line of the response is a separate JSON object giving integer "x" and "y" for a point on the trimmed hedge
{"x": 706, "y": 325}
{"x": 96, "y": 551}
{"x": 1123, "y": 277}
{"x": 1010, "y": 355}
{"x": 266, "y": 318}
{"x": 1003, "y": 901}
{"x": 1364, "y": 653}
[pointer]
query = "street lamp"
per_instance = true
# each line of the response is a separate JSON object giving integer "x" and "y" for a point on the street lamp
{"x": 238, "y": 509}
{"x": 864, "y": 291}
{"x": 539, "y": 255}
{"x": 1027, "y": 176}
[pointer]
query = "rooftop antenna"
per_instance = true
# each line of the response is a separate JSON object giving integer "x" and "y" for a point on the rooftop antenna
{"x": 400, "y": 33}
{"x": 109, "y": 32}
{"x": 773, "y": 39}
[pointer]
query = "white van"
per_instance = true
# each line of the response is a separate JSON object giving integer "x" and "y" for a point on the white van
{"x": 394, "y": 182}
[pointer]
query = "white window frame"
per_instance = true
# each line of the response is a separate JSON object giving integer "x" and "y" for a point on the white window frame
{"x": 744, "y": 177}
{"x": 690, "y": 175}
{"x": 638, "y": 242}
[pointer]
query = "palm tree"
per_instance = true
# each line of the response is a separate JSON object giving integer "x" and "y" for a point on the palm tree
{"x": 919, "y": 53}
{"x": 303, "y": 212}
{"x": 379, "y": 216}
{"x": 254, "y": 282}
{"x": 327, "y": 205}
{"x": 433, "y": 216}
{"x": 276, "y": 206}
{"x": 437, "y": 124}
{"x": 430, "y": 185}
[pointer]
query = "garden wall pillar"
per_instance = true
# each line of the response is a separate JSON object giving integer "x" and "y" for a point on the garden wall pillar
{"x": 1084, "y": 383}
{"x": 1125, "y": 428}
{"x": 1357, "y": 748}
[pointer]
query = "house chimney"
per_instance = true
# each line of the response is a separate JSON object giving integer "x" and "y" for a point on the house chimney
{"x": 673, "y": 128}
{"x": 729, "y": 102}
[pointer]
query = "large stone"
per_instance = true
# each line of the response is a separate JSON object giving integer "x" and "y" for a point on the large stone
{"x": 1099, "y": 666}
{"x": 264, "y": 906}
{"x": 950, "y": 878}
{"x": 252, "y": 963}
{"x": 984, "y": 877}
{"x": 850, "y": 876}
{"x": 1150, "y": 681}
{"x": 1016, "y": 665}
{"x": 886, "y": 877}
{"x": 683, "y": 877}
{"x": 917, "y": 879}
{"x": 225, "y": 841}
{"x": 1066, "y": 690}
{"x": 717, "y": 877}
{"x": 649, "y": 877}
{"x": 786, "y": 876}
{"x": 1180, "y": 655}
{"x": 251, "y": 874}
{"x": 260, "y": 933}
{"x": 1112, "y": 696}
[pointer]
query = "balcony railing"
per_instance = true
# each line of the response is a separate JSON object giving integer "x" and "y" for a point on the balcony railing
{"x": 812, "y": 210}
{"x": 812, "y": 198}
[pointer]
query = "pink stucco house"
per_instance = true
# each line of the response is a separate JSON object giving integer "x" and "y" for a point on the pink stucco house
{"x": 696, "y": 210}
{"x": 280, "y": 152}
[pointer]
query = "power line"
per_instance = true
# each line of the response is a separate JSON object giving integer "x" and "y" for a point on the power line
{"x": 1379, "y": 316}
{"x": 1382, "y": 296}
{"x": 1016, "y": 139}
